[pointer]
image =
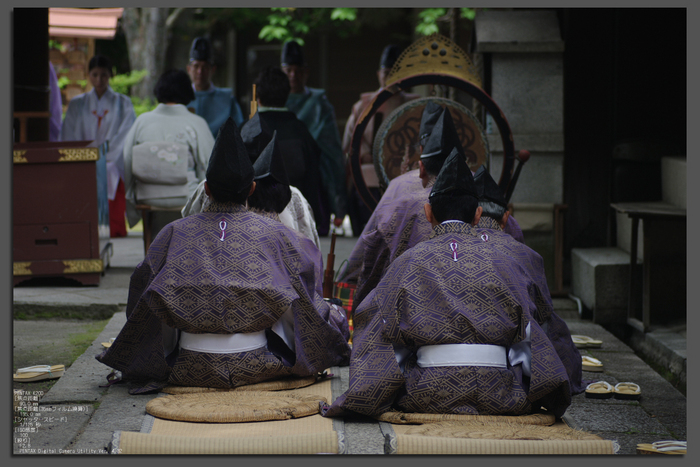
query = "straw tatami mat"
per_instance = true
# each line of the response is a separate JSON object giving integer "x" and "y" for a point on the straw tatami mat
{"x": 229, "y": 407}
{"x": 126, "y": 442}
{"x": 495, "y": 430}
{"x": 403, "y": 418}
{"x": 427, "y": 445}
{"x": 307, "y": 435}
{"x": 487, "y": 436}
{"x": 275, "y": 385}
{"x": 307, "y": 425}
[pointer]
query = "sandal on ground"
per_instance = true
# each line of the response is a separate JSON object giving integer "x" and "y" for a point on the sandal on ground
{"x": 115, "y": 377}
{"x": 109, "y": 343}
{"x": 591, "y": 364}
{"x": 600, "y": 390}
{"x": 585, "y": 342}
{"x": 663, "y": 447}
{"x": 627, "y": 390}
{"x": 38, "y": 373}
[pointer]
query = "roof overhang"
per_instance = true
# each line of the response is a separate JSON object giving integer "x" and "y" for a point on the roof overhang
{"x": 95, "y": 23}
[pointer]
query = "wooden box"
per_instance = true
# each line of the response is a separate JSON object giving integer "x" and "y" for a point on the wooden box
{"x": 55, "y": 211}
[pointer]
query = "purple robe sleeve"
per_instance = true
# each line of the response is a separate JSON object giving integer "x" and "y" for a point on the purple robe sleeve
{"x": 375, "y": 259}
{"x": 375, "y": 376}
{"x": 139, "y": 358}
{"x": 513, "y": 229}
{"x": 55, "y": 106}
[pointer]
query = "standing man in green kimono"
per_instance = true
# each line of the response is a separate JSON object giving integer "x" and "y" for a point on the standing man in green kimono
{"x": 311, "y": 106}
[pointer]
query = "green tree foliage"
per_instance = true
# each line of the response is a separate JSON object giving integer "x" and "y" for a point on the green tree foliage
{"x": 142, "y": 105}
{"x": 285, "y": 24}
{"x": 123, "y": 83}
{"x": 429, "y": 18}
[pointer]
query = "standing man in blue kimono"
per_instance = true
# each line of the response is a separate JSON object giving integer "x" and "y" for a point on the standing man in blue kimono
{"x": 311, "y": 106}
{"x": 213, "y": 104}
{"x": 457, "y": 325}
{"x": 226, "y": 297}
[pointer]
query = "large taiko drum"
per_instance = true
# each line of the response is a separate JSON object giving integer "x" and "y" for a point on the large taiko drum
{"x": 396, "y": 149}
{"x": 431, "y": 60}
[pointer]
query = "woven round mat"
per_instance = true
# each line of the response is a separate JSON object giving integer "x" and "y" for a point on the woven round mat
{"x": 499, "y": 430}
{"x": 405, "y": 418}
{"x": 274, "y": 385}
{"x": 233, "y": 407}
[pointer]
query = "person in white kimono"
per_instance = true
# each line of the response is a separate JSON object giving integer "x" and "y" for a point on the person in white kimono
{"x": 166, "y": 153}
{"x": 103, "y": 115}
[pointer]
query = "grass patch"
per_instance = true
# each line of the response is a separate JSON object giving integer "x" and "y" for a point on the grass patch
{"x": 69, "y": 341}
{"x": 26, "y": 312}
{"x": 81, "y": 341}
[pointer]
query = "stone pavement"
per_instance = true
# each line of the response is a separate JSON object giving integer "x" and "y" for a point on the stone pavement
{"x": 85, "y": 415}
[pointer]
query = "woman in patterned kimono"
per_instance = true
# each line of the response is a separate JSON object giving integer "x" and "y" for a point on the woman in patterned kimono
{"x": 169, "y": 125}
{"x": 103, "y": 115}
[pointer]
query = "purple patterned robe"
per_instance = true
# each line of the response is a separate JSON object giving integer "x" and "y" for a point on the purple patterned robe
{"x": 487, "y": 296}
{"x": 397, "y": 224}
{"x": 223, "y": 271}
{"x": 307, "y": 245}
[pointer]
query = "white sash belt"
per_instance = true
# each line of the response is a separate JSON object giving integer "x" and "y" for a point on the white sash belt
{"x": 223, "y": 343}
{"x": 462, "y": 355}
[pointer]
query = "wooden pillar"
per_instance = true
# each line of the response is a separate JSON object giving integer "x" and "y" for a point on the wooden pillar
{"x": 31, "y": 69}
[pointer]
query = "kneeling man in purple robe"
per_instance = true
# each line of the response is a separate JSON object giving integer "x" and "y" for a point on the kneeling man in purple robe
{"x": 457, "y": 324}
{"x": 226, "y": 297}
{"x": 398, "y": 222}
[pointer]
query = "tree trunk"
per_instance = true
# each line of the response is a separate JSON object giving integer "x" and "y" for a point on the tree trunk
{"x": 146, "y": 31}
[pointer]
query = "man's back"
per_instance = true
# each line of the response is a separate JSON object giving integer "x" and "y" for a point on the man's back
{"x": 459, "y": 288}
{"x": 397, "y": 223}
{"x": 226, "y": 272}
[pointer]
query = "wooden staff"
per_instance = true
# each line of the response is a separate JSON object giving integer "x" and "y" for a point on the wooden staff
{"x": 253, "y": 104}
{"x": 328, "y": 275}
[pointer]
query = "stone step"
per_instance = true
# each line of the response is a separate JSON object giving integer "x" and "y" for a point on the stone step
{"x": 673, "y": 180}
{"x": 600, "y": 279}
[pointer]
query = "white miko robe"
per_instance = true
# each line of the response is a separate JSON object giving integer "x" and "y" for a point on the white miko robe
{"x": 108, "y": 118}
